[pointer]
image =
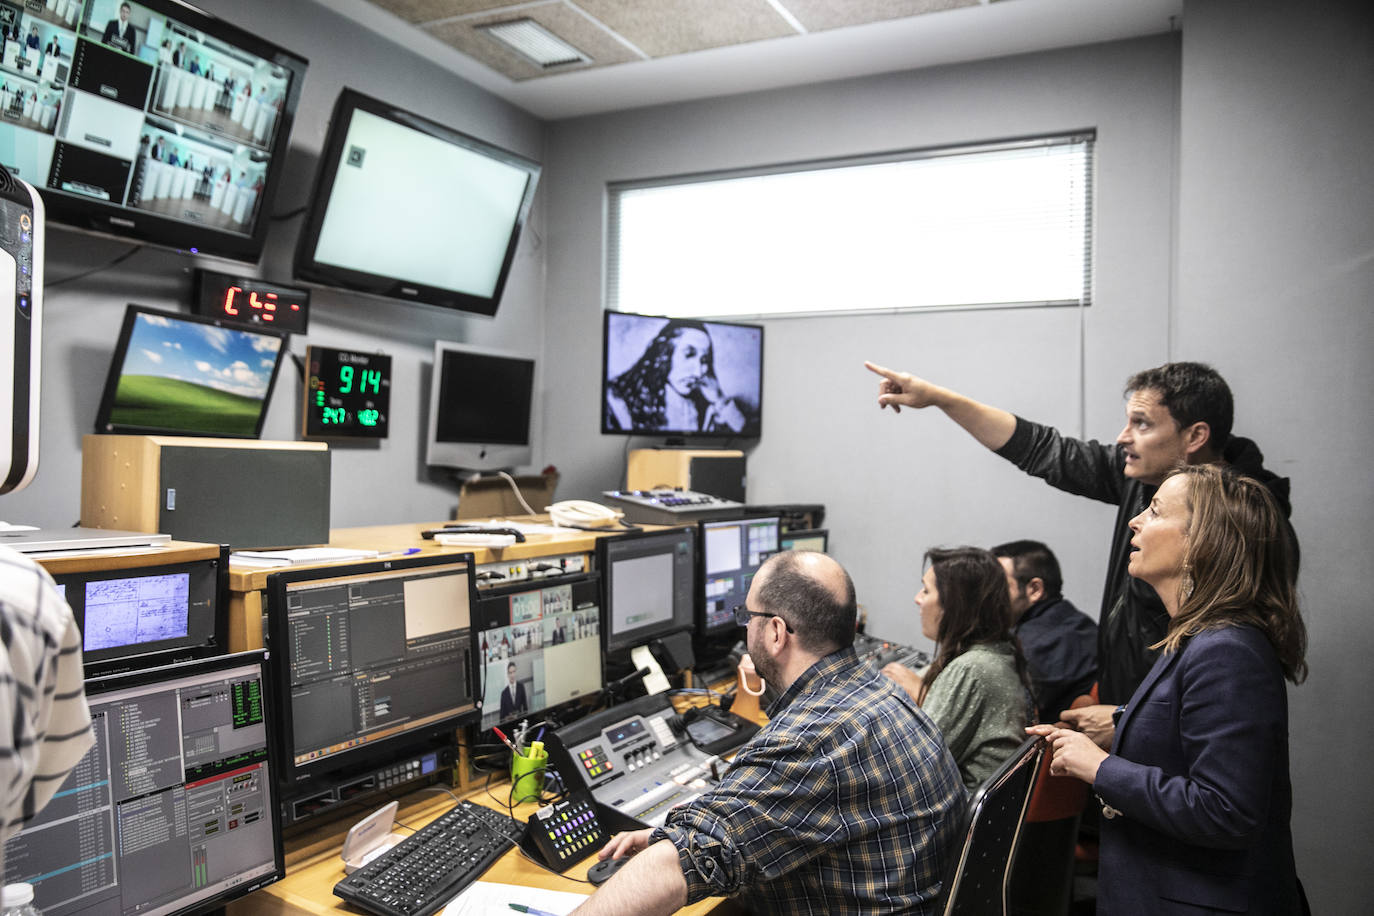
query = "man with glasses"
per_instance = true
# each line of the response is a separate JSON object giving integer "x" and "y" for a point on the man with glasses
{"x": 846, "y": 802}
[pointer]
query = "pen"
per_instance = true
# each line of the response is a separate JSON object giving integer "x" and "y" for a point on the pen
{"x": 398, "y": 553}
{"x": 539, "y": 736}
{"x": 504, "y": 740}
{"x": 521, "y": 908}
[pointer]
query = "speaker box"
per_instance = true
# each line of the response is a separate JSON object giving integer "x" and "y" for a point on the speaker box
{"x": 719, "y": 472}
{"x": 241, "y": 492}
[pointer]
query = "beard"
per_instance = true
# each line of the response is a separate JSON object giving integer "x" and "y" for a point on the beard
{"x": 767, "y": 669}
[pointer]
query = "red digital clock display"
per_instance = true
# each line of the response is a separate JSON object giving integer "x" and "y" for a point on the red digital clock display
{"x": 248, "y": 300}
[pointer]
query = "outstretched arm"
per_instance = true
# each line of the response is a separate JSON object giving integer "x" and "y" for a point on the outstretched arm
{"x": 991, "y": 426}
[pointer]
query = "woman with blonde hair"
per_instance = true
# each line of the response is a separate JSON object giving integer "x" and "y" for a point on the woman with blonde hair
{"x": 1196, "y": 796}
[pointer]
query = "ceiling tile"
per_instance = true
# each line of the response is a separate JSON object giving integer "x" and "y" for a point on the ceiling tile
{"x": 430, "y": 10}
{"x": 557, "y": 17}
{"x": 661, "y": 28}
{"x": 819, "y": 15}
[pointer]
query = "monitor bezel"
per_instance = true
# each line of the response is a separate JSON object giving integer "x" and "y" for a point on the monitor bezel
{"x": 121, "y": 354}
{"x": 608, "y": 317}
{"x": 479, "y": 456}
{"x": 729, "y": 626}
{"x": 117, "y": 221}
{"x": 299, "y": 777}
{"x": 308, "y": 268}
{"x": 620, "y": 644}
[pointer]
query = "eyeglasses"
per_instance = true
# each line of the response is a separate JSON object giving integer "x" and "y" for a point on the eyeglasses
{"x": 742, "y": 615}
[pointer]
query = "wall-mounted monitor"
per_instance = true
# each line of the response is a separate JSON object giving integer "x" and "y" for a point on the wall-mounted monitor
{"x": 176, "y": 374}
{"x": 649, "y": 584}
{"x": 410, "y": 209}
{"x": 539, "y": 646}
{"x": 680, "y": 377}
{"x": 481, "y": 408}
{"x": 173, "y": 811}
{"x": 731, "y": 553}
{"x": 148, "y": 120}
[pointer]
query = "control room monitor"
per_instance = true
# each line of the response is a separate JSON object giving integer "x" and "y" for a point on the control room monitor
{"x": 173, "y": 810}
{"x": 817, "y": 539}
{"x": 649, "y": 581}
{"x": 370, "y": 659}
{"x": 731, "y": 553}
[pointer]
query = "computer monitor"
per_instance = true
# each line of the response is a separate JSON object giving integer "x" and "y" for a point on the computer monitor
{"x": 174, "y": 809}
{"x": 481, "y": 408}
{"x": 817, "y": 539}
{"x": 144, "y": 613}
{"x": 649, "y": 584}
{"x": 539, "y": 646}
{"x": 731, "y": 552}
{"x": 370, "y": 661}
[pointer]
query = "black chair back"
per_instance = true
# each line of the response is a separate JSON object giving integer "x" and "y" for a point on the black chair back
{"x": 976, "y": 880}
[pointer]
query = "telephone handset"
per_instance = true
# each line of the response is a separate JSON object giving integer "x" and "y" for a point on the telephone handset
{"x": 583, "y": 513}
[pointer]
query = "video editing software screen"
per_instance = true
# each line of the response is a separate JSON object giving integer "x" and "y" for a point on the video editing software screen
{"x": 130, "y": 616}
{"x": 173, "y": 809}
{"x": 731, "y": 552}
{"x": 650, "y": 580}
{"x": 817, "y": 539}
{"x": 369, "y": 654}
{"x": 540, "y": 646}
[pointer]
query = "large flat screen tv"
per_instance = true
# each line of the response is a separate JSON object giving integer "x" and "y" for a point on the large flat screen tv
{"x": 680, "y": 377}
{"x": 190, "y": 376}
{"x": 410, "y": 209}
{"x": 147, "y": 120}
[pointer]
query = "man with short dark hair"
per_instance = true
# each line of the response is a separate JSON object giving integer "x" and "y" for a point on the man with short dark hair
{"x": 1177, "y": 413}
{"x": 120, "y": 33}
{"x": 846, "y": 802}
{"x": 513, "y": 699}
{"x": 1058, "y": 640}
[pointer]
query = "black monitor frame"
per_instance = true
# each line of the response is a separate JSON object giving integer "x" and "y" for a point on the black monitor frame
{"x": 300, "y": 778}
{"x": 610, "y": 550}
{"x": 198, "y": 670}
{"x": 704, "y": 626}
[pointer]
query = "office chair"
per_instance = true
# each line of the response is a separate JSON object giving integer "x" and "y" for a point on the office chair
{"x": 976, "y": 879}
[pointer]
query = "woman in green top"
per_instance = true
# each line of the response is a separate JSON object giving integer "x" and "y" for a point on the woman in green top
{"x": 978, "y": 688}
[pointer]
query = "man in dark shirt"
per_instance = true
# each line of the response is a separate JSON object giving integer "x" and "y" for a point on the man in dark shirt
{"x": 846, "y": 802}
{"x": 513, "y": 699}
{"x": 120, "y": 33}
{"x": 1177, "y": 413}
{"x": 1058, "y": 640}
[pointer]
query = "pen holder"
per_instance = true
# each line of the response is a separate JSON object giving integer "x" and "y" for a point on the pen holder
{"x": 527, "y": 775}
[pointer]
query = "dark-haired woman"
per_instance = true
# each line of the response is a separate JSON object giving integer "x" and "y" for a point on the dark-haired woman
{"x": 978, "y": 688}
{"x": 673, "y": 387}
{"x": 1196, "y": 793}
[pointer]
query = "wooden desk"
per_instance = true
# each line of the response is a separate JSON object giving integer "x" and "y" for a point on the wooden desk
{"x": 313, "y": 866}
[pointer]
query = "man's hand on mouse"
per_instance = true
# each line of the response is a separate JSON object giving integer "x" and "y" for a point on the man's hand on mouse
{"x": 625, "y": 844}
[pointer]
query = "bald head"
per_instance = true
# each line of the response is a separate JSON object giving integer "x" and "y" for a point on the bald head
{"x": 813, "y": 594}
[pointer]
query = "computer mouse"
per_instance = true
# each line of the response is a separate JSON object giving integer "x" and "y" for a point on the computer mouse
{"x": 601, "y": 872}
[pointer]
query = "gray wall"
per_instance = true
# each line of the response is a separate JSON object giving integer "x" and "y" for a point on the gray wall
{"x": 1275, "y": 285}
{"x": 373, "y": 483}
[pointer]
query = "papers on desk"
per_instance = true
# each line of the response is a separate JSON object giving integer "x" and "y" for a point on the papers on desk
{"x": 297, "y": 557}
{"x": 486, "y": 898}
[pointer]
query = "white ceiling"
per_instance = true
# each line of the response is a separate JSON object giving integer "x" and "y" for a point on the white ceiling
{"x": 990, "y": 29}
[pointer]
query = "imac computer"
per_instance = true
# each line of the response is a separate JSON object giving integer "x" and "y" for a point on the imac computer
{"x": 373, "y": 667}
{"x": 731, "y": 552}
{"x": 649, "y": 587}
{"x": 539, "y": 643}
{"x": 173, "y": 811}
{"x": 481, "y": 408}
{"x": 148, "y": 614}
{"x": 817, "y": 539}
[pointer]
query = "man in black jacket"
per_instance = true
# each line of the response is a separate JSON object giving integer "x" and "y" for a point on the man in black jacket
{"x": 1178, "y": 413}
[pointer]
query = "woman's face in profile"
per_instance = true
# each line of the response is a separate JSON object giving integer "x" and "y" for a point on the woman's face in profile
{"x": 691, "y": 361}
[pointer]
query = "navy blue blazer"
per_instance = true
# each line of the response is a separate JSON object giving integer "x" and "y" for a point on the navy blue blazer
{"x": 1199, "y": 774}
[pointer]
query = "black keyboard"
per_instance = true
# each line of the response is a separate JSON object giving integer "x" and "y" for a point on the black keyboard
{"x": 429, "y": 868}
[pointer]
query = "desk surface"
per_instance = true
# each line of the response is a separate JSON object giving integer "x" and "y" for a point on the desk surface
{"x": 313, "y": 866}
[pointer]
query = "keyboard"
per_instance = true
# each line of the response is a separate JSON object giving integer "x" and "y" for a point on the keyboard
{"x": 427, "y": 869}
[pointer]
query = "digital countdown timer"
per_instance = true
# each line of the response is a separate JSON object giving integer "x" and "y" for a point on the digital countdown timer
{"x": 347, "y": 394}
{"x": 248, "y": 300}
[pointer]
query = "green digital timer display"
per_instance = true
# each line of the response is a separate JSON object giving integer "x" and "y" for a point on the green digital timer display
{"x": 347, "y": 394}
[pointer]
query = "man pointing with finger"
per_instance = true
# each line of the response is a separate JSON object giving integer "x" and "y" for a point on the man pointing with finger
{"x": 1178, "y": 413}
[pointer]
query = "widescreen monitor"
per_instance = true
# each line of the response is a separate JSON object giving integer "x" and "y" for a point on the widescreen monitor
{"x": 539, "y": 643}
{"x": 187, "y": 375}
{"x": 817, "y": 539}
{"x": 481, "y": 408}
{"x": 370, "y": 660}
{"x": 148, "y": 120}
{"x": 410, "y": 209}
{"x": 681, "y": 377}
{"x": 731, "y": 553}
{"x": 173, "y": 811}
{"x": 648, "y": 585}
{"x": 149, "y": 613}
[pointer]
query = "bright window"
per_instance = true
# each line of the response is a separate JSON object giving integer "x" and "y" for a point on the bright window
{"x": 993, "y": 225}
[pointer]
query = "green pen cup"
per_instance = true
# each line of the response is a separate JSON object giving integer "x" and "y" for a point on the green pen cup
{"x": 527, "y": 773}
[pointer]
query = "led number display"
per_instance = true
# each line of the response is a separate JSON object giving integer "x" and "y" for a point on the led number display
{"x": 347, "y": 394}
